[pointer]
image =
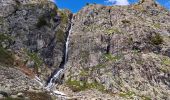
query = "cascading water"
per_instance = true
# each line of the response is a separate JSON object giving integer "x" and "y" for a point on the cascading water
{"x": 58, "y": 73}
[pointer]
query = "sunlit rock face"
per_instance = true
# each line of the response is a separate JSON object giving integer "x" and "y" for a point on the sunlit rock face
{"x": 121, "y": 49}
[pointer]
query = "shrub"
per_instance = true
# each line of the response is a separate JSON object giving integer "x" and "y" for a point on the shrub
{"x": 4, "y": 37}
{"x": 6, "y": 58}
{"x": 157, "y": 39}
{"x": 53, "y": 12}
{"x": 34, "y": 57}
{"x": 41, "y": 22}
{"x": 60, "y": 35}
{"x": 64, "y": 17}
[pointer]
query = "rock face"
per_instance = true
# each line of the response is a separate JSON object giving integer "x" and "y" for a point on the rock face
{"x": 121, "y": 50}
{"x": 32, "y": 41}
{"x": 117, "y": 52}
{"x": 37, "y": 30}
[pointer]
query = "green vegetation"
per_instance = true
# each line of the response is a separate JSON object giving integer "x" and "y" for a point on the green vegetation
{"x": 128, "y": 94}
{"x": 157, "y": 25}
{"x": 54, "y": 12}
{"x": 84, "y": 73}
{"x": 166, "y": 61}
{"x": 157, "y": 39}
{"x": 6, "y": 57}
{"x": 64, "y": 17}
{"x": 4, "y": 37}
{"x": 1, "y": 20}
{"x": 41, "y": 22}
{"x": 110, "y": 57}
{"x": 34, "y": 57}
{"x": 113, "y": 31}
{"x": 83, "y": 85}
{"x": 60, "y": 35}
{"x": 146, "y": 98}
{"x": 100, "y": 65}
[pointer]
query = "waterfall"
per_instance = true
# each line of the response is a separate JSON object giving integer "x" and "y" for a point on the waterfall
{"x": 67, "y": 43}
{"x": 57, "y": 76}
{"x": 58, "y": 73}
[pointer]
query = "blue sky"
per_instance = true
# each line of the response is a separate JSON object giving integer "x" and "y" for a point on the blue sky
{"x": 76, "y": 5}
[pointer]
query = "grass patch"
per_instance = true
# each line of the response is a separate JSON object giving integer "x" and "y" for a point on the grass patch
{"x": 113, "y": 31}
{"x": 166, "y": 61}
{"x": 146, "y": 98}
{"x": 84, "y": 73}
{"x": 128, "y": 94}
{"x": 157, "y": 25}
{"x": 83, "y": 85}
{"x": 110, "y": 57}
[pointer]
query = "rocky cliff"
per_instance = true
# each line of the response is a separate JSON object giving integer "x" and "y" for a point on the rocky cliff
{"x": 115, "y": 52}
{"x": 32, "y": 35}
{"x": 122, "y": 50}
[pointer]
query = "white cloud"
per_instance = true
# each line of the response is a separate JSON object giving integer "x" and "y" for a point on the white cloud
{"x": 118, "y": 2}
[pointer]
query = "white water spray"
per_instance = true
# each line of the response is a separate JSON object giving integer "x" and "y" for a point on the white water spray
{"x": 67, "y": 43}
{"x": 57, "y": 76}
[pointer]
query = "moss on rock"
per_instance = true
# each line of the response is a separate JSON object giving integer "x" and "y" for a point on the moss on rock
{"x": 83, "y": 85}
